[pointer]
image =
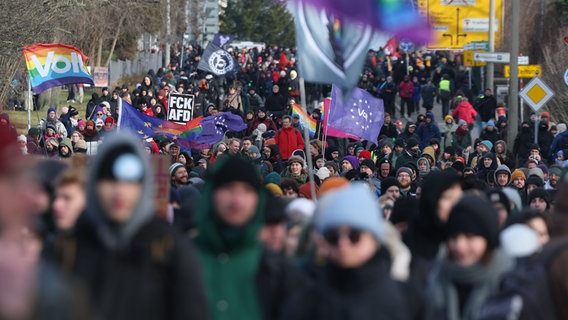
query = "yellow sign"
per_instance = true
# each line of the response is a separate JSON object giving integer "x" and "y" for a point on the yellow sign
{"x": 468, "y": 59}
{"x": 455, "y": 22}
{"x": 525, "y": 71}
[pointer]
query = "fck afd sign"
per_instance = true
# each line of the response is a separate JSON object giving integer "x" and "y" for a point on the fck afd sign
{"x": 180, "y": 107}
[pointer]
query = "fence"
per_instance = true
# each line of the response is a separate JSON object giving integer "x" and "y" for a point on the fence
{"x": 143, "y": 62}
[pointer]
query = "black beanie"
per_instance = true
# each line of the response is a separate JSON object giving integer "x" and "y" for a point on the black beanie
{"x": 474, "y": 215}
{"x": 412, "y": 142}
{"x": 368, "y": 163}
{"x": 387, "y": 183}
{"x": 497, "y": 196}
{"x": 231, "y": 169}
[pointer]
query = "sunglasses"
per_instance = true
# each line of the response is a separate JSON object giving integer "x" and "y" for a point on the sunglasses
{"x": 99, "y": 114}
{"x": 332, "y": 236}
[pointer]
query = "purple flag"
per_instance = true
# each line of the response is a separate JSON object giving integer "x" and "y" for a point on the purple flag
{"x": 363, "y": 115}
{"x": 214, "y": 127}
{"x": 222, "y": 39}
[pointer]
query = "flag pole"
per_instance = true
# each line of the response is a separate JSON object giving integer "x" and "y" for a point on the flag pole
{"x": 307, "y": 141}
{"x": 326, "y": 122}
{"x": 30, "y": 103}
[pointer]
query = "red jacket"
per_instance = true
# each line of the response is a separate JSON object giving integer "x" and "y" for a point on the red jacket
{"x": 406, "y": 88}
{"x": 465, "y": 111}
{"x": 289, "y": 139}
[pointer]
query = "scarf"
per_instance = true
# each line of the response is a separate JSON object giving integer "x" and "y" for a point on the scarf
{"x": 482, "y": 278}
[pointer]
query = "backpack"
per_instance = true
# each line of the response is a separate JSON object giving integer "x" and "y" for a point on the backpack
{"x": 524, "y": 293}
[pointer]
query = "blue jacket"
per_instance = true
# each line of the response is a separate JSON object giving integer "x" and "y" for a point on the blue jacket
{"x": 427, "y": 131}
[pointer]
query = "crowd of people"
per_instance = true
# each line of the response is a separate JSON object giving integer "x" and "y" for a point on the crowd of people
{"x": 428, "y": 223}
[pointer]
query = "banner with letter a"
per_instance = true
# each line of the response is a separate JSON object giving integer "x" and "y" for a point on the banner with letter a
{"x": 52, "y": 65}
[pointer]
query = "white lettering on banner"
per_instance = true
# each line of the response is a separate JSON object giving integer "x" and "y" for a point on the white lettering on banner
{"x": 64, "y": 66}
{"x": 362, "y": 113}
{"x": 180, "y": 107}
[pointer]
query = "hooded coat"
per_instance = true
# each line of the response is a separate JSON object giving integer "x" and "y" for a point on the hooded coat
{"x": 139, "y": 269}
{"x": 523, "y": 142}
{"x": 243, "y": 279}
{"x": 406, "y": 134}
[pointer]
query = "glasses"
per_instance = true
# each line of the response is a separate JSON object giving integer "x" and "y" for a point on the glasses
{"x": 332, "y": 236}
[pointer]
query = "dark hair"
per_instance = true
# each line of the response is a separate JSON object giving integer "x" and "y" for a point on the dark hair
{"x": 288, "y": 183}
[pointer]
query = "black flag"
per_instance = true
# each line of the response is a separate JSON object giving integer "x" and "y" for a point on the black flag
{"x": 217, "y": 61}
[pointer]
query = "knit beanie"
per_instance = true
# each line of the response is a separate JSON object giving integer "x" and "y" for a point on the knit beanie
{"x": 448, "y": 117}
{"x": 474, "y": 215}
{"x": 353, "y": 206}
{"x": 537, "y": 172}
{"x": 412, "y": 142}
{"x": 535, "y": 180}
{"x": 387, "y": 183}
{"x": 518, "y": 173}
{"x": 497, "y": 196}
{"x": 233, "y": 169}
{"x": 50, "y": 110}
{"x": 323, "y": 173}
{"x": 273, "y": 177}
{"x": 488, "y": 144}
{"x": 404, "y": 169}
{"x": 174, "y": 167}
{"x": 274, "y": 189}
{"x": 365, "y": 154}
{"x": 297, "y": 159}
{"x": 353, "y": 160}
{"x": 332, "y": 183}
{"x": 368, "y": 163}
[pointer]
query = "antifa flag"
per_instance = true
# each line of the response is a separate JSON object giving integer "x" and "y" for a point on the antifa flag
{"x": 331, "y": 50}
{"x": 222, "y": 39}
{"x": 217, "y": 61}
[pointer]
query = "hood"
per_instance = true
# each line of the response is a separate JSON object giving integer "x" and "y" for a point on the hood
{"x": 66, "y": 142}
{"x": 503, "y": 143}
{"x": 118, "y": 237}
{"x": 408, "y": 124}
{"x": 502, "y": 168}
{"x": 423, "y": 173}
{"x": 431, "y": 115}
{"x": 493, "y": 164}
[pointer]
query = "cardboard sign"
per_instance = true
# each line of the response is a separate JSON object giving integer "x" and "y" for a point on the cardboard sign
{"x": 180, "y": 107}
{"x": 162, "y": 180}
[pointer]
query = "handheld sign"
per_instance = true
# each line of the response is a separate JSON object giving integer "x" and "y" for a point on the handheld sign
{"x": 180, "y": 107}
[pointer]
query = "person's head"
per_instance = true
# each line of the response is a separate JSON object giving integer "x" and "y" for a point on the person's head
{"x": 51, "y": 113}
{"x": 286, "y": 121}
{"x": 390, "y": 187}
{"x": 120, "y": 185}
{"x": 539, "y": 199}
{"x": 387, "y": 118}
{"x": 441, "y": 192}
{"x": 234, "y": 146}
{"x": 253, "y": 152}
{"x": 502, "y": 176}
{"x": 488, "y": 92}
{"x": 275, "y": 88}
{"x": 352, "y": 225}
{"x": 404, "y": 177}
{"x": 367, "y": 167}
{"x": 448, "y": 119}
{"x": 295, "y": 165}
{"x": 501, "y": 204}
{"x": 70, "y": 199}
{"x": 236, "y": 191}
{"x": 295, "y": 119}
{"x": 76, "y": 136}
{"x": 554, "y": 174}
{"x": 179, "y": 175}
{"x": 247, "y": 142}
{"x": 518, "y": 178}
{"x": 473, "y": 231}
{"x": 539, "y": 222}
{"x": 290, "y": 188}
{"x": 348, "y": 163}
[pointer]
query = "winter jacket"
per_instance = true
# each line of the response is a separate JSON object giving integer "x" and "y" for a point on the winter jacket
{"x": 491, "y": 135}
{"x": 427, "y": 131}
{"x": 367, "y": 292}
{"x": 406, "y": 88}
{"x": 389, "y": 130}
{"x": 461, "y": 139}
{"x": 428, "y": 94}
{"x": 289, "y": 139}
{"x": 486, "y": 107}
{"x": 243, "y": 280}
{"x": 465, "y": 111}
{"x": 139, "y": 269}
{"x": 447, "y": 131}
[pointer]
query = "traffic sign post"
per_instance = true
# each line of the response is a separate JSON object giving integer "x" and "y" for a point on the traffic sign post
{"x": 406, "y": 45}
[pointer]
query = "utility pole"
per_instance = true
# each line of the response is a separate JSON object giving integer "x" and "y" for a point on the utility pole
{"x": 168, "y": 32}
{"x": 490, "y": 66}
{"x": 513, "y": 117}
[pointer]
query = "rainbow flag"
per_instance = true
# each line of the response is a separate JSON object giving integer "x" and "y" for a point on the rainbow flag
{"x": 305, "y": 119}
{"x": 52, "y": 65}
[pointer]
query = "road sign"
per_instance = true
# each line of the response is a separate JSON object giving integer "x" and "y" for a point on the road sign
{"x": 566, "y": 77}
{"x": 406, "y": 45}
{"x": 468, "y": 59}
{"x": 499, "y": 57}
{"x": 526, "y": 71}
{"x": 492, "y": 56}
{"x": 455, "y": 22}
{"x": 536, "y": 93}
{"x": 477, "y": 45}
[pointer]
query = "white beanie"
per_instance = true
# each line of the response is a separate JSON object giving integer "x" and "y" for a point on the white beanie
{"x": 22, "y": 138}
